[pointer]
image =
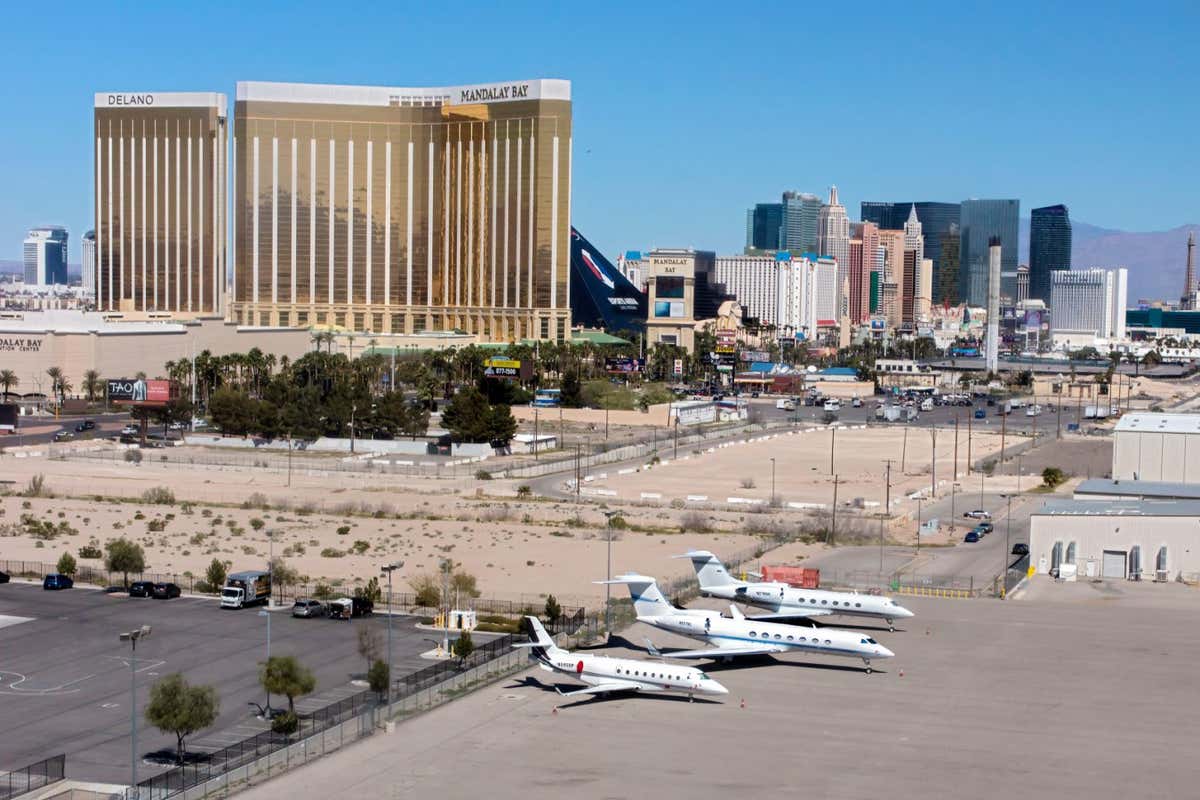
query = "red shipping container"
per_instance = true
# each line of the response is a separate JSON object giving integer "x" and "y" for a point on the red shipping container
{"x": 800, "y": 577}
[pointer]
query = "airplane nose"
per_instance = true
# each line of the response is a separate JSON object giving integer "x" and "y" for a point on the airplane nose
{"x": 883, "y": 652}
{"x": 904, "y": 612}
{"x": 718, "y": 688}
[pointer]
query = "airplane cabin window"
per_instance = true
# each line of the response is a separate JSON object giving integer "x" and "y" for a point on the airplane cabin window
{"x": 789, "y": 638}
{"x": 858, "y": 605}
{"x": 777, "y": 636}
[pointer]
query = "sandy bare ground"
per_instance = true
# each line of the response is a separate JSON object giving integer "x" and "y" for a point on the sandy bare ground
{"x": 340, "y": 529}
{"x": 742, "y": 470}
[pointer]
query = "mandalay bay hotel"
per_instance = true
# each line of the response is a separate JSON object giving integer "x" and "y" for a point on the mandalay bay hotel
{"x": 403, "y": 210}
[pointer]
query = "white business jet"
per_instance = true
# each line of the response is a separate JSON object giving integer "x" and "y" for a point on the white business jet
{"x": 788, "y": 602}
{"x": 737, "y": 635}
{"x": 604, "y": 674}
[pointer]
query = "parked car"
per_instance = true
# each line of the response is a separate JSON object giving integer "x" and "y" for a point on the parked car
{"x": 63, "y": 436}
{"x": 141, "y": 589}
{"x": 3, "y": 577}
{"x": 308, "y": 608}
{"x": 1020, "y": 549}
{"x": 86, "y": 425}
{"x": 130, "y": 430}
{"x": 978, "y": 513}
{"x": 165, "y": 591}
{"x": 971, "y": 537}
{"x": 986, "y": 527}
{"x": 856, "y": 402}
{"x": 979, "y": 529}
{"x": 980, "y": 414}
{"x": 56, "y": 582}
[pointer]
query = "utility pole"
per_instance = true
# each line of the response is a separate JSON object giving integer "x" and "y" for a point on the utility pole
{"x": 676, "y": 455}
{"x": 887, "y": 502}
{"x": 904, "y": 449}
{"x": 289, "y": 479}
{"x": 918, "y": 526}
{"x": 535, "y": 432}
{"x": 956, "y": 447}
{"x": 833, "y": 525}
{"x": 933, "y": 463}
{"x": 1058, "y": 435}
{"x": 578, "y": 475}
{"x": 1007, "y": 537}
{"x": 1003, "y": 429}
{"x": 970, "y": 420}
{"x": 832, "y": 448}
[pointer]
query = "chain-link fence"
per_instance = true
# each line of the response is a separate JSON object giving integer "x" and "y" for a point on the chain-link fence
{"x": 32, "y": 777}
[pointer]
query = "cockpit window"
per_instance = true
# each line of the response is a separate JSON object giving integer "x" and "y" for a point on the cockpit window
{"x": 704, "y": 677}
{"x": 869, "y": 640}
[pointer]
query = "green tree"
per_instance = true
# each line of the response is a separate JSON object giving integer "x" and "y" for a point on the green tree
{"x": 371, "y": 591}
{"x": 426, "y": 589}
{"x": 501, "y": 424}
{"x": 572, "y": 396}
{"x": 553, "y": 609}
{"x": 178, "y": 410}
{"x": 232, "y": 411}
{"x": 178, "y": 708}
{"x": 416, "y": 420}
{"x": 466, "y": 416}
{"x": 286, "y": 676}
{"x": 378, "y": 676}
{"x": 464, "y": 583}
{"x": 66, "y": 565}
{"x": 1053, "y": 477}
{"x": 92, "y": 384}
{"x": 214, "y": 576}
{"x": 463, "y": 646}
{"x": 124, "y": 556}
{"x": 369, "y": 643}
{"x": 8, "y": 380}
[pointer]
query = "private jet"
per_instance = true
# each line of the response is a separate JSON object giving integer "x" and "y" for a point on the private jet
{"x": 736, "y": 635}
{"x": 787, "y": 602}
{"x": 604, "y": 674}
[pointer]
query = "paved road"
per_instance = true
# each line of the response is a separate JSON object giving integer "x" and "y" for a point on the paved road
{"x": 106, "y": 424}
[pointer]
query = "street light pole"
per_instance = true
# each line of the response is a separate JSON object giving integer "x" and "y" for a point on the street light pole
{"x": 832, "y": 448}
{"x": 1007, "y": 547}
{"x": 267, "y": 614}
{"x": 918, "y": 526}
{"x": 772, "y": 481}
{"x": 388, "y": 570}
{"x": 132, "y": 637}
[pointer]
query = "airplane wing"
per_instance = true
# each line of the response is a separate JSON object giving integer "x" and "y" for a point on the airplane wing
{"x": 610, "y": 686}
{"x": 800, "y": 613}
{"x": 726, "y": 652}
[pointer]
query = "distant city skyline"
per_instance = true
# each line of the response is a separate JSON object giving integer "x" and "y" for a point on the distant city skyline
{"x": 657, "y": 162}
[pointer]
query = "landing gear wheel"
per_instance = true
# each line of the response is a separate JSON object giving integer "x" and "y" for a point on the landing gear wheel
{"x": 891, "y": 626}
{"x": 868, "y": 663}
{"x": 691, "y": 699}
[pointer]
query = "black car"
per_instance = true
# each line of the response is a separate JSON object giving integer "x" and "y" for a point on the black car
{"x": 86, "y": 425}
{"x": 56, "y": 582}
{"x": 141, "y": 589}
{"x": 165, "y": 591}
{"x": 3, "y": 577}
{"x": 1020, "y": 549}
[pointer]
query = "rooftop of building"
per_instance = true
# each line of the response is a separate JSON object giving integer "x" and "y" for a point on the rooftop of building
{"x": 1120, "y": 508}
{"x": 335, "y": 94}
{"x": 1151, "y": 422}
{"x": 1174, "y": 490}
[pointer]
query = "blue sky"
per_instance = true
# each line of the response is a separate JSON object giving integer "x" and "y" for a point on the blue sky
{"x": 685, "y": 114}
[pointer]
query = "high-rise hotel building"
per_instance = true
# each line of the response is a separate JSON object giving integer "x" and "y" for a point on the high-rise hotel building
{"x": 160, "y": 202}
{"x": 396, "y": 210}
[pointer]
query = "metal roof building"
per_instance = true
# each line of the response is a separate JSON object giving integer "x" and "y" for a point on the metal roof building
{"x": 1157, "y": 447}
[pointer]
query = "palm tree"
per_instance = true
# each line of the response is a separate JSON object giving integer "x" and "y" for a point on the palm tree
{"x": 8, "y": 379}
{"x": 56, "y": 381}
{"x": 91, "y": 384}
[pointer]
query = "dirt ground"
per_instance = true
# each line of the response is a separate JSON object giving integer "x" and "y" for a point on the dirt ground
{"x": 802, "y": 467}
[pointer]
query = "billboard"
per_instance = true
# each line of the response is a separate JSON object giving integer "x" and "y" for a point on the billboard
{"x": 140, "y": 391}
{"x": 754, "y": 355}
{"x": 496, "y": 367}
{"x": 624, "y": 365}
{"x": 669, "y": 308}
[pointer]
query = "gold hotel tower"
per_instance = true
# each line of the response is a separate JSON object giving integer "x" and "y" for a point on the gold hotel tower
{"x": 160, "y": 202}
{"x": 403, "y": 211}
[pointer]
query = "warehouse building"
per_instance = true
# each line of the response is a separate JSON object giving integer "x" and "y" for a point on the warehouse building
{"x": 1118, "y": 539}
{"x": 1157, "y": 447}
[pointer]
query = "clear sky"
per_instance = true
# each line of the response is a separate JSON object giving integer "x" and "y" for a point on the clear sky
{"x": 685, "y": 114}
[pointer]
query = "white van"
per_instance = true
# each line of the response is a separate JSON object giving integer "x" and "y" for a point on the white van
{"x": 833, "y": 404}
{"x": 785, "y": 404}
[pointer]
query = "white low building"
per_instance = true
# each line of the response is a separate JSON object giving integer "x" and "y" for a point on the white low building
{"x": 1118, "y": 539}
{"x": 1157, "y": 447}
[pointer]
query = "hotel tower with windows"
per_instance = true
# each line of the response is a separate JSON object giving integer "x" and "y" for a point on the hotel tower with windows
{"x": 160, "y": 202}
{"x": 393, "y": 210}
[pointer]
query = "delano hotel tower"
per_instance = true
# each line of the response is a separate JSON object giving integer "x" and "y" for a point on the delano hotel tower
{"x": 404, "y": 210}
{"x": 160, "y": 202}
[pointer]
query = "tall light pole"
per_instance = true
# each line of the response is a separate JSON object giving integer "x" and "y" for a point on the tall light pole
{"x": 772, "y": 481}
{"x": 1007, "y": 547}
{"x": 132, "y": 637}
{"x": 608, "y": 575}
{"x": 267, "y": 614}
{"x": 832, "y": 448}
{"x": 388, "y": 570}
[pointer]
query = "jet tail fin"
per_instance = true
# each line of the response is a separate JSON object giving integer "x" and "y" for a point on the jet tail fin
{"x": 710, "y": 572}
{"x": 648, "y": 601}
{"x": 652, "y": 650}
{"x": 538, "y": 638}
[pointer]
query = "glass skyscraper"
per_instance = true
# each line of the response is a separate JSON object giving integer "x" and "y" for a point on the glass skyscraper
{"x": 763, "y": 224}
{"x": 979, "y": 221}
{"x": 1049, "y": 247}
{"x": 798, "y": 229}
{"x": 936, "y": 221}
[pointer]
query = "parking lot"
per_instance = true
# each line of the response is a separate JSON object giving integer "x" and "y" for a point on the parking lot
{"x": 64, "y": 675}
{"x": 985, "y": 699}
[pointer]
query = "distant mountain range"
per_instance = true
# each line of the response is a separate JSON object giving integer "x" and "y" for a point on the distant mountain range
{"x": 1156, "y": 259}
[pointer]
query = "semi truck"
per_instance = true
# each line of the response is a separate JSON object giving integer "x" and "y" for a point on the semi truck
{"x": 246, "y": 589}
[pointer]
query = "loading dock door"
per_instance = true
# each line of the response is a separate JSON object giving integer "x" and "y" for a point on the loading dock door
{"x": 1114, "y": 564}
